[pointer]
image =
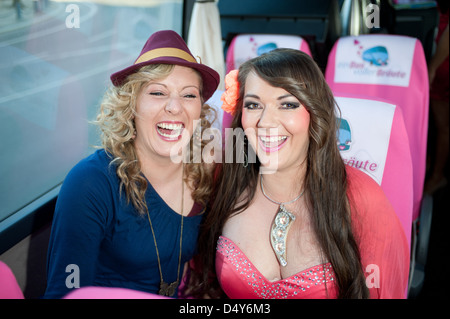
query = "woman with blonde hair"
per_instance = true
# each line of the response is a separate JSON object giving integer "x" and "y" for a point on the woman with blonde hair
{"x": 127, "y": 216}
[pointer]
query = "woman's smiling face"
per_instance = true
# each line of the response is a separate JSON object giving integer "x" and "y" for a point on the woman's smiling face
{"x": 166, "y": 111}
{"x": 276, "y": 124}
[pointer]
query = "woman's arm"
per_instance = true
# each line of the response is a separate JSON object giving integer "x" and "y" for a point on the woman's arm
{"x": 79, "y": 224}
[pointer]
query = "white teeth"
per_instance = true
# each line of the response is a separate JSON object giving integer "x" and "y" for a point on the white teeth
{"x": 170, "y": 126}
{"x": 175, "y": 128}
{"x": 175, "y": 133}
{"x": 272, "y": 139}
{"x": 169, "y": 135}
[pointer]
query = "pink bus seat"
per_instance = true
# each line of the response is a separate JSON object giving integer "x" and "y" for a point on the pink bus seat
{"x": 372, "y": 137}
{"x": 393, "y": 68}
{"x": 109, "y": 293}
{"x": 9, "y": 288}
{"x": 244, "y": 47}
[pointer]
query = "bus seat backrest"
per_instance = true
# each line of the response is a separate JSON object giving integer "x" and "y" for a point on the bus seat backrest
{"x": 372, "y": 137}
{"x": 244, "y": 47}
{"x": 392, "y": 68}
{"x": 9, "y": 287}
{"x": 91, "y": 292}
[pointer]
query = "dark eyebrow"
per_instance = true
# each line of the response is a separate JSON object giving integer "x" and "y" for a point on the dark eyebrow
{"x": 279, "y": 98}
{"x": 252, "y": 95}
{"x": 284, "y": 96}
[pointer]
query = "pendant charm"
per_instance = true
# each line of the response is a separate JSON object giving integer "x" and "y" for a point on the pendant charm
{"x": 278, "y": 233}
{"x": 166, "y": 289}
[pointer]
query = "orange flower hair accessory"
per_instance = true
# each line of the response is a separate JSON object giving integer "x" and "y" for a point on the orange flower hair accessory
{"x": 231, "y": 94}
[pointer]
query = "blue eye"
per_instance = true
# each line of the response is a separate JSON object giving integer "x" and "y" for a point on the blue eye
{"x": 156, "y": 93}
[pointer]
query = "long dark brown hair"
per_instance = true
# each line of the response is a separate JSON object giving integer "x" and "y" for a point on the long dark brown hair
{"x": 325, "y": 181}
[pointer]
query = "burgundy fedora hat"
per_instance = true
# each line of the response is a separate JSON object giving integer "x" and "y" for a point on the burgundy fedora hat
{"x": 167, "y": 47}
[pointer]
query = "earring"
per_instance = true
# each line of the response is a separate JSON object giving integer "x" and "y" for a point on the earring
{"x": 245, "y": 159}
{"x": 245, "y": 164}
{"x": 197, "y": 135}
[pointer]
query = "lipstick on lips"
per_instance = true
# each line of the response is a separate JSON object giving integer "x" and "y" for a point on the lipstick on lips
{"x": 170, "y": 130}
{"x": 272, "y": 143}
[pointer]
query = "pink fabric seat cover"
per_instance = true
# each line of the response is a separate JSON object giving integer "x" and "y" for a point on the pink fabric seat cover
{"x": 392, "y": 68}
{"x": 380, "y": 150}
{"x": 9, "y": 288}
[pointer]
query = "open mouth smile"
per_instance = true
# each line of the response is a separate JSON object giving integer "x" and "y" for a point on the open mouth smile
{"x": 170, "y": 131}
{"x": 272, "y": 143}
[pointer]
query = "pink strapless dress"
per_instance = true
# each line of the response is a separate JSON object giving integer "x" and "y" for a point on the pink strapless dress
{"x": 240, "y": 279}
{"x": 382, "y": 244}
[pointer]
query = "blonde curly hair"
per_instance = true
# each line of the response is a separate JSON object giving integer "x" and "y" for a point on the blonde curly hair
{"x": 116, "y": 122}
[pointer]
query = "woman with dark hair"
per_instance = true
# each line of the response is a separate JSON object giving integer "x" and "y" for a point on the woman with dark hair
{"x": 295, "y": 222}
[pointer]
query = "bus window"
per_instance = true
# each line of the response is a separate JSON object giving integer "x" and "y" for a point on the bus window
{"x": 55, "y": 61}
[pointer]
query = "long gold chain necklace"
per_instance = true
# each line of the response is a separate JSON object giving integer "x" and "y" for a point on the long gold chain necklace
{"x": 280, "y": 226}
{"x": 166, "y": 289}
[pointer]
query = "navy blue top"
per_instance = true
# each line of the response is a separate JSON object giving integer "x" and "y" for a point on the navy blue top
{"x": 107, "y": 240}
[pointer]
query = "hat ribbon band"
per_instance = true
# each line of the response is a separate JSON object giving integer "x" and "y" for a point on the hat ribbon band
{"x": 165, "y": 52}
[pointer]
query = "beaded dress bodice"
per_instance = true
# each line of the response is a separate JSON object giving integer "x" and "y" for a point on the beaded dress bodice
{"x": 240, "y": 279}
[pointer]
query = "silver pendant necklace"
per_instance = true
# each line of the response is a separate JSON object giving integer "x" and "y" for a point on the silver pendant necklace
{"x": 280, "y": 226}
